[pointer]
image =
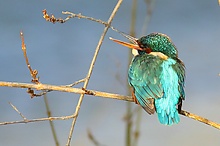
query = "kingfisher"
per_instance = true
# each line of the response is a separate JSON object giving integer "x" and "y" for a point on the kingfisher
{"x": 156, "y": 76}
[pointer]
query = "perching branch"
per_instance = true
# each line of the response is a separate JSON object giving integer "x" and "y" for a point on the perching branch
{"x": 94, "y": 93}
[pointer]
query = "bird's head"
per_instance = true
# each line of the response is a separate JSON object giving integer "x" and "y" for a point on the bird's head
{"x": 152, "y": 43}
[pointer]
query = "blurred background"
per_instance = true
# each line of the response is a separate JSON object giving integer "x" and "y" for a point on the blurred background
{"x": 62, "y": 54}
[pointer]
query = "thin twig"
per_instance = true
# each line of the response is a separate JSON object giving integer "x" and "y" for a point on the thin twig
{"x": 33, "y": 73}
{"x": 96, "y": 93}
{"x": 53, "y": 19}
{"x": 72, "y": 15}
{"x": 18, "y": 111}
{"x": 51, "y": 122}
{"x": 39, "y": 120}
{"x": 33, "y": 94}
{"x": 77, "y": 82}
{"x": 91, "y": 68}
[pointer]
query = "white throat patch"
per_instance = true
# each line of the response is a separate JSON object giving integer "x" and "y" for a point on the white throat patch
{"x": 135, "y": 52}
{"x": 159, "y": 54}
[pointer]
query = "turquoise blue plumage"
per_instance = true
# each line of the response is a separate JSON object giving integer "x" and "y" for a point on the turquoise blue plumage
{"x": 156, "y": 76}
{"x": 158, "y": 80}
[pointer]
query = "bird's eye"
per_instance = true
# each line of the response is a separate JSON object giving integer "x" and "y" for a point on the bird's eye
{"x": 140, "y": 44}
{"x": 143, "y": 47}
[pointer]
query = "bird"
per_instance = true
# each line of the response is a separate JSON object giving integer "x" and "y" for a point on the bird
{"x": 156, "y": 76}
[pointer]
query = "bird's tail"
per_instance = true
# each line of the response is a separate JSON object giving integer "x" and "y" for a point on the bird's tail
{"x": 168, "y": 119}
{"x": 168, "y": 116}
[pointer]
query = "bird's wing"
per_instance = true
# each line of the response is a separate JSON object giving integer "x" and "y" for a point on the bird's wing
{"x": 179, "y": 68}
{"x": 144, "y": 76}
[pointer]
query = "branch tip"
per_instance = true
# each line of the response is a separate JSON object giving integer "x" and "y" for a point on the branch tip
{"x": 18, "y": 111}
{"x": 33, "y": 73}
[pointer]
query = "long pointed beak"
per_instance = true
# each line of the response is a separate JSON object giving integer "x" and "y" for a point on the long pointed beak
{"x": 129, "y": 45}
